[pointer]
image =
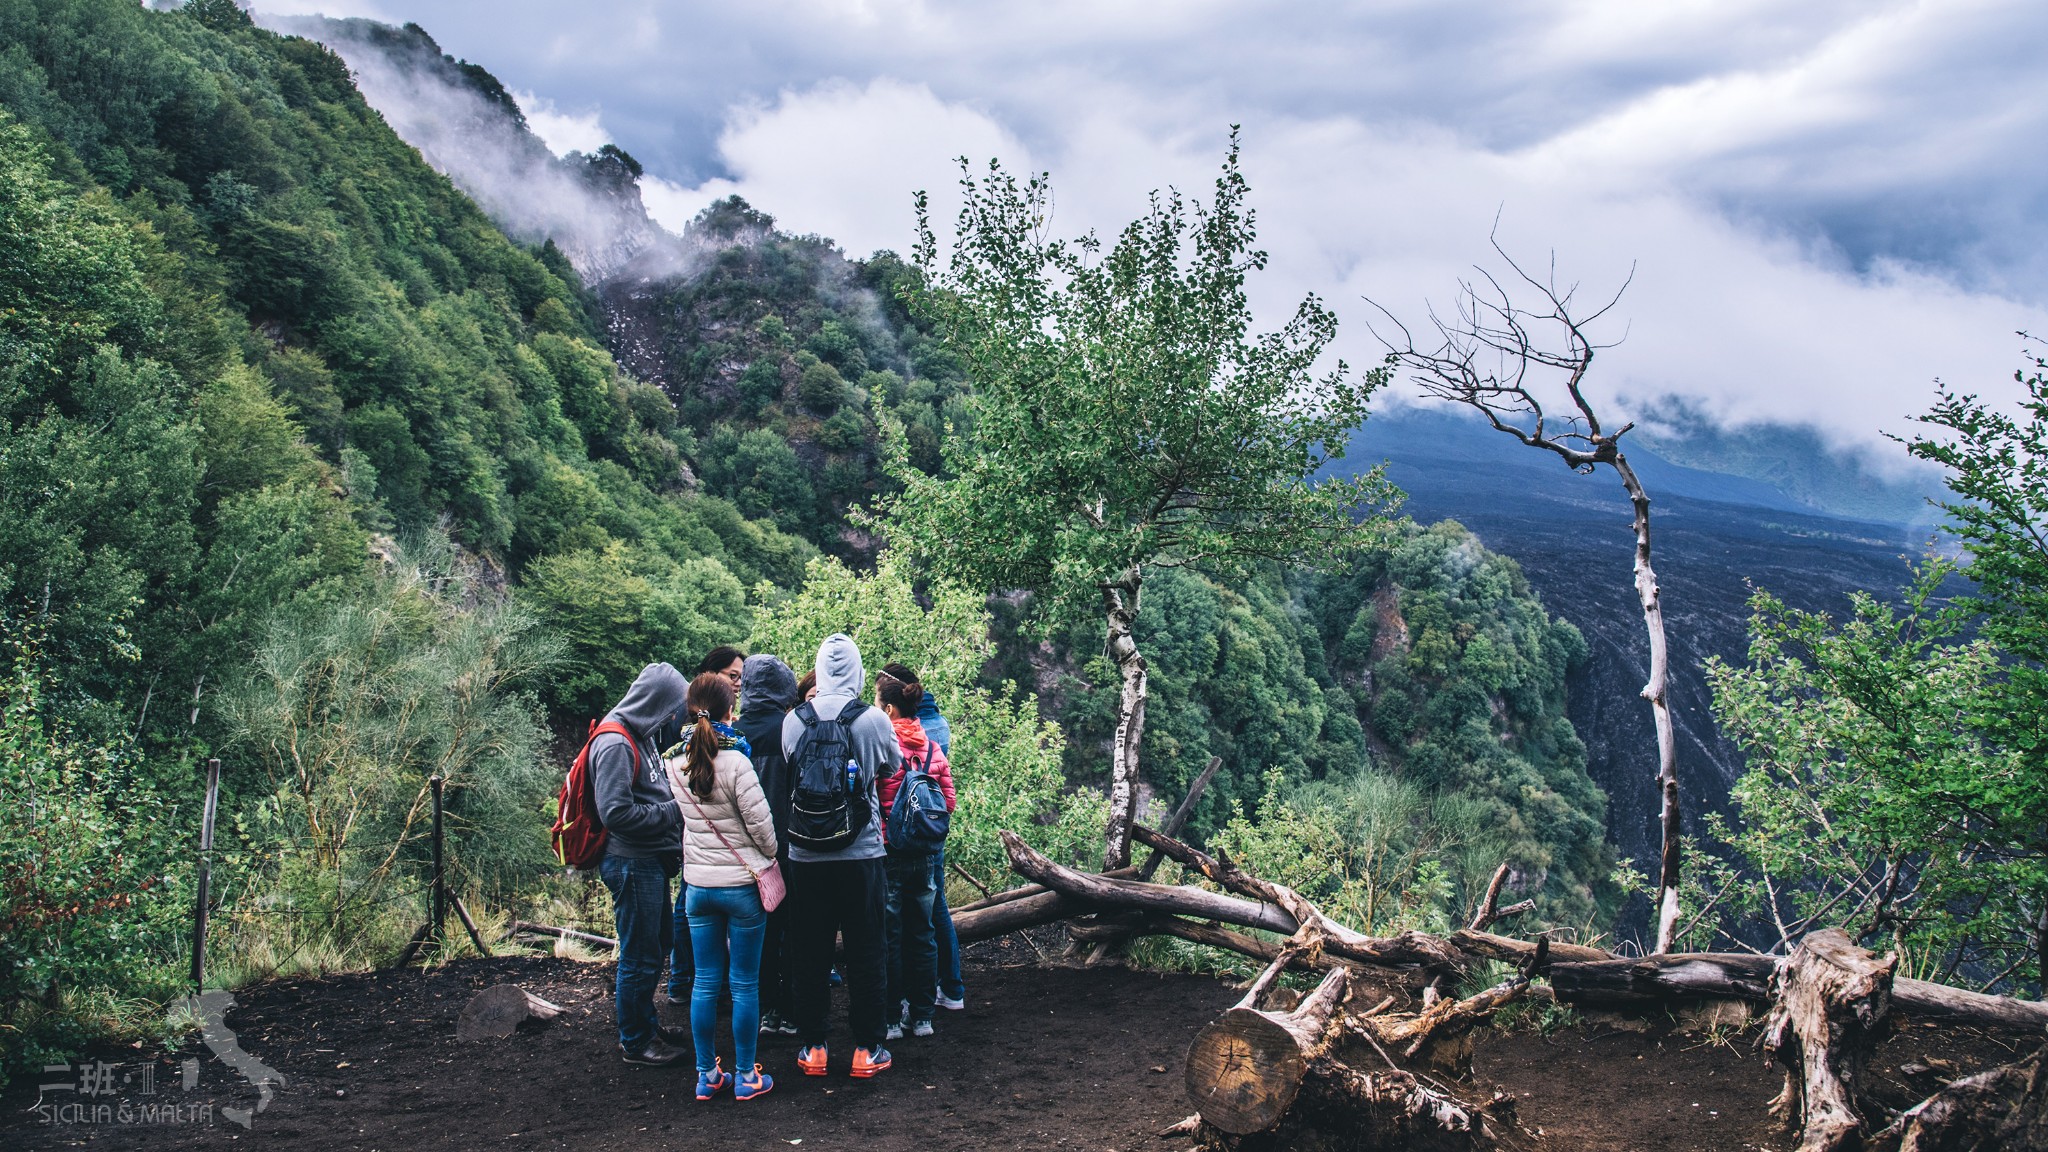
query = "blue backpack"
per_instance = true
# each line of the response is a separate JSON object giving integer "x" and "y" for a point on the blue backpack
{"x": 918, "y": 820}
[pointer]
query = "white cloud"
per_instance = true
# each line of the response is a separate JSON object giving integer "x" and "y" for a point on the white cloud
{"x": 563, "y": 132}
{"x": 844, "y": 161}
{"x": 1745, "y": 321}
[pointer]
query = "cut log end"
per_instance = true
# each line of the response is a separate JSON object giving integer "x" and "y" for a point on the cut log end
{"x": 498, "y": 1011}
{"x": 1244, "y": 1071}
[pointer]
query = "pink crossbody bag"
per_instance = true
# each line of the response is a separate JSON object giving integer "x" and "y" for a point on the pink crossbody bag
{"x": 768, "y": 880}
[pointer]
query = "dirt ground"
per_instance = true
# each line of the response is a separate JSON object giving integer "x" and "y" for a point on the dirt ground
{"x": 1043, "y": 1058}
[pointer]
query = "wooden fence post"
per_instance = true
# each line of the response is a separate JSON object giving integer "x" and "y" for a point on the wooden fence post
{"x": 205, "y": 875}
{"x": 440, "y": 892}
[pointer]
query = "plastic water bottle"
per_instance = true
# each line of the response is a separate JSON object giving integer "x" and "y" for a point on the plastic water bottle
{"x": 852, "y": 776}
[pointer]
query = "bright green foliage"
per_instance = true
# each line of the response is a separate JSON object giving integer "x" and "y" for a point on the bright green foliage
{"x": 339, "y": 721}
{"x": 1125, "y": 415}
{"x": 618, "y": 609}
{"x": 93, "y": 885}
{"x": 946, "y": 643}
{"x": 1429, "y": 663}
{"x": 1370, "y": 849}
{"x": 1876, "y": 795}
{"x": 1006, "y": 760}
{"x": 1998, "y": 472}
{"x": 1895, "y": 782}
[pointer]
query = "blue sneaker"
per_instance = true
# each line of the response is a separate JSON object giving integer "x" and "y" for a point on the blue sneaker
{"x": 711, "y": 1083}
{"x": 835, "y": 978}
{"x": 747, "y": 1087}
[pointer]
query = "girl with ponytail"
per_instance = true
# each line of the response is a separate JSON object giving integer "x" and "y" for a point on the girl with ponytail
{"x": 728, "y": 844}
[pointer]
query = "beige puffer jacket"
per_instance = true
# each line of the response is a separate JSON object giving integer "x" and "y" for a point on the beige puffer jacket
{"x": 740, "y": 811}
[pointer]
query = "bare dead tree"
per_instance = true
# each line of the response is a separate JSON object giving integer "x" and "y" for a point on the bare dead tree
{"x": 1499, "y": 357}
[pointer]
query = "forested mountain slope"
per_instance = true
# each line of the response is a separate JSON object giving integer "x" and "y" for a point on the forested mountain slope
{"x": 309, "y": 306}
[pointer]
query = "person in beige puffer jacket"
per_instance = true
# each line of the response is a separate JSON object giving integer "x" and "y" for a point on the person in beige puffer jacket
{"x": 728, "y": 840}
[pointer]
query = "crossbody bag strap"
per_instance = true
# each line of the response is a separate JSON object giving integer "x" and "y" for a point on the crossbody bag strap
{"x": 713, "y": 825}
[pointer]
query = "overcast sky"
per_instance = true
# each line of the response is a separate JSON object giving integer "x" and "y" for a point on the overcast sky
{"x": 1829, "y": 204}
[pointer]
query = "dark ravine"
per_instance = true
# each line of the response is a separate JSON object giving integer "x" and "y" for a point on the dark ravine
{"x": 1717, "y": 537}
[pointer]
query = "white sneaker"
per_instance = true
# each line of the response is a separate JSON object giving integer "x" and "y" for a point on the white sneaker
{"x": 921, "y": 1028}
{"x": 940, "y": 998}
{"x": 895, "y": 1032}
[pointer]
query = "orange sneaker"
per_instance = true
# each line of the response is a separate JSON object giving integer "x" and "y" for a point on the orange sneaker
{"x": 811, "y": 1058}
{"x": 869, "y": 1061}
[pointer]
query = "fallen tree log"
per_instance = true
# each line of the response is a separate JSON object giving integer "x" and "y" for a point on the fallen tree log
{"x": 1409, "y": 949}
{"x": 2003, "y": 1109}
{"x": 1108, "y": 892}
{"x": 1408, "y": 980}
{"x": 1024, "y": 892}
{"x": 1245, "y": 1068}
{"x": 1739, "y": 975}
{"x": 1657, "y": 979}
{"x": 1015, "y": 915}
{"x": 1273, "y": 1080}
{"x": 1440, "y": 1035}
{"x": 519, "y": 926}
{"x": 1833, "y": 1002}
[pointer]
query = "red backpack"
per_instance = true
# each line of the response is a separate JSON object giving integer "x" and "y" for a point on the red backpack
{"x": 578, "y": 834}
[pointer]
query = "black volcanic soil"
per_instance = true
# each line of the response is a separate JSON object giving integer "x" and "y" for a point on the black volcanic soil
{"x": 1042, "y": 1058}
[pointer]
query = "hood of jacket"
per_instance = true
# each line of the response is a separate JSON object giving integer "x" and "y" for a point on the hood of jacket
{"x": 654, "y": 700}
{"x": 766, "y": 684}
{"x": 839, "y": 669}
{"x": 911, "y": 736}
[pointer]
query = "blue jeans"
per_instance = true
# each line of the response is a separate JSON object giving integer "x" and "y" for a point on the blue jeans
{"x": 639, "y": 887}
{"x": 726, "y": 927}
{"x": 942, "y": 932}
{"x": 907, "y": 928}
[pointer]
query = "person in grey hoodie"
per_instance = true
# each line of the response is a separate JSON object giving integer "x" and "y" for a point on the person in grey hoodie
{"x": 643, "y": 850}
{"x": 841, "y": 891}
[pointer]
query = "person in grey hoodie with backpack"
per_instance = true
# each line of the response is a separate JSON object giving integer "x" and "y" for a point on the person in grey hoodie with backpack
{"x": 837, "y": 746}
{"x": 643, "y": 850}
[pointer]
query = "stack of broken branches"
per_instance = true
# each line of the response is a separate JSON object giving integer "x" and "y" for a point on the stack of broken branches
{"x": 1366, "y": 1048}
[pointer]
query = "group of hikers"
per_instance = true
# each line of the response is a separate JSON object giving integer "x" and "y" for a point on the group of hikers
{"x": 797, "y": 815}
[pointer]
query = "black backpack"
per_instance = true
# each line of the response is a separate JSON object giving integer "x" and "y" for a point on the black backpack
{"x": 827, "y": 812}
{"x": 918, "y": 820}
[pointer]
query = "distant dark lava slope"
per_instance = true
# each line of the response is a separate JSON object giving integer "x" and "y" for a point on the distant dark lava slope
{"x": 1714, "y": 536}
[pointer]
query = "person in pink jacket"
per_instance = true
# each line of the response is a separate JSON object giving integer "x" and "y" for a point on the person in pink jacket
{"x": 907, "y": 927}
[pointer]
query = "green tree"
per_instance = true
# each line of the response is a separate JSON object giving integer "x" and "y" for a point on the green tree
{"x": 620, "y": 608}
{"x": 1126, "y": 418}
{"x": 1895, "y": 782}
{"x": 336, "y": 726}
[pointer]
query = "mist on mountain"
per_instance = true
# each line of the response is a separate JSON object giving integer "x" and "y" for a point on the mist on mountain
{"x": 471, "y": 130}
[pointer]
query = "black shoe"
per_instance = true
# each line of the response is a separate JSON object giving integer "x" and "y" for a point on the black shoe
{"x": 659, "y": 1054}
{"x": 675, "y": 1036}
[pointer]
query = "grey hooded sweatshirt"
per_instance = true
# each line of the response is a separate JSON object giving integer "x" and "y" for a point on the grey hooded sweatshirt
{"x": 633, "y": 797}
{"x": 840, "y": 679}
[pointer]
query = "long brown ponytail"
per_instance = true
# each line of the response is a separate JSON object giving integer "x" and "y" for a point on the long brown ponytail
{"x": 709, "y": 699}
